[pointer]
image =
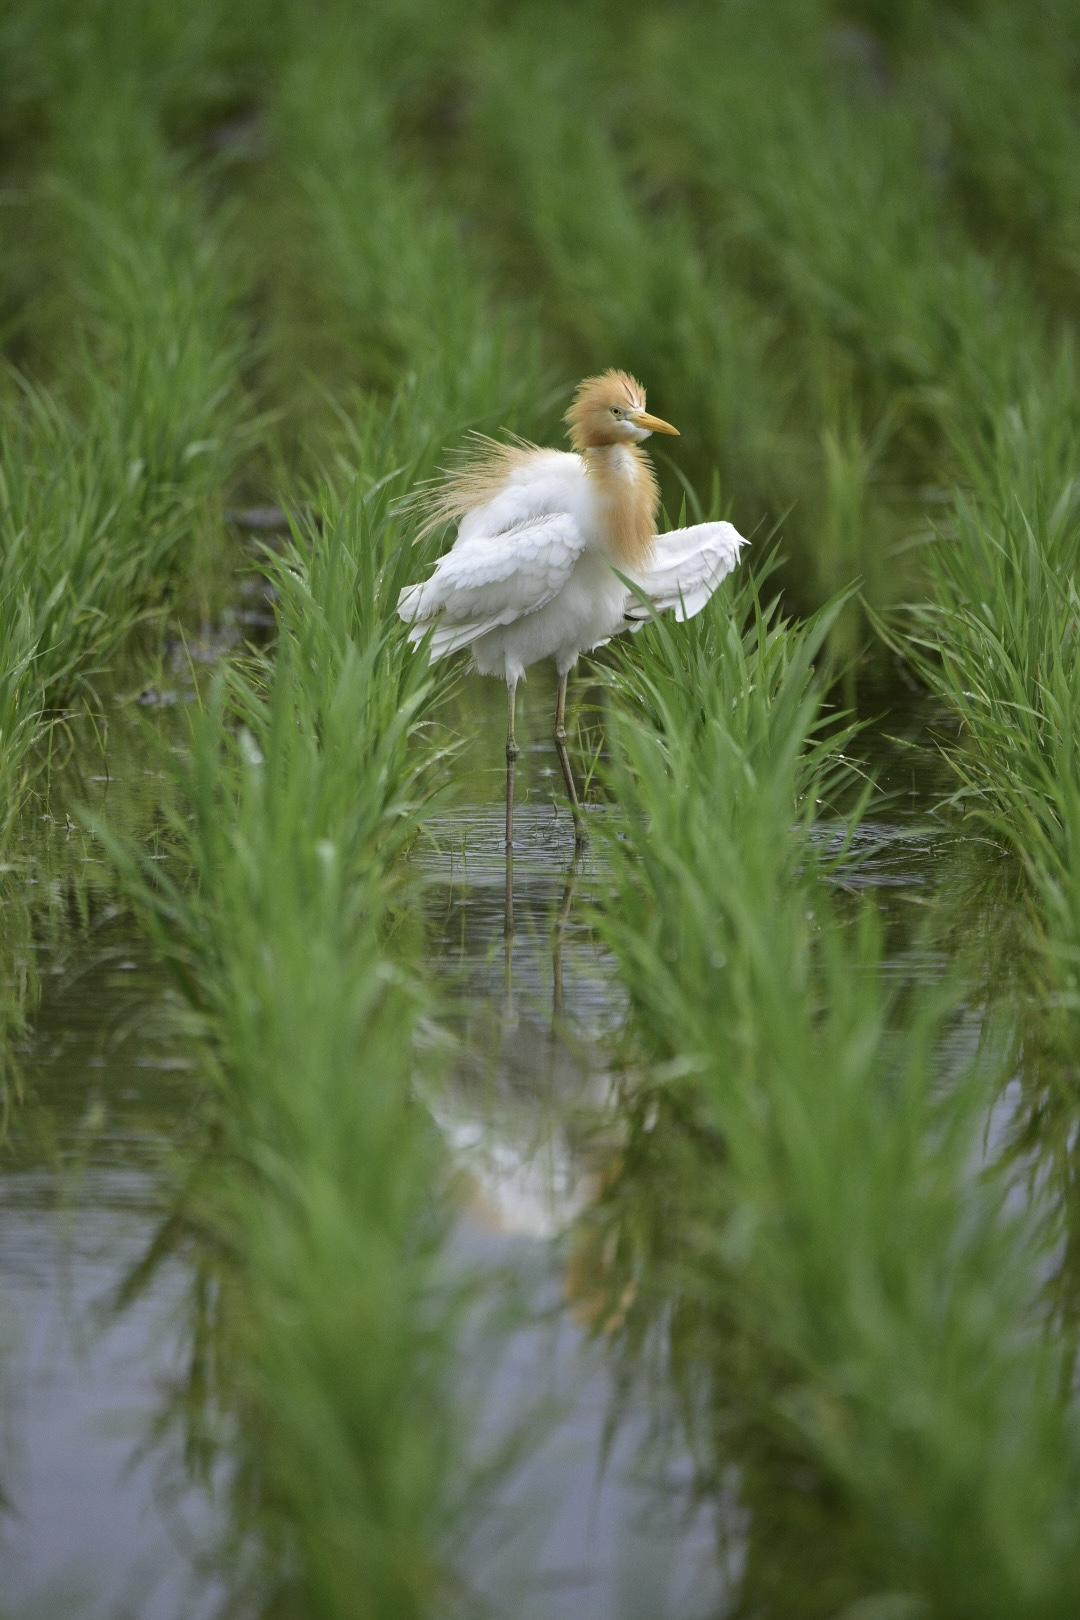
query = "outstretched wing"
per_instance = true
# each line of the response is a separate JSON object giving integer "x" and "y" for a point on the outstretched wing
{"x": 686, "y": 568}
{"x": 492, "y": 580}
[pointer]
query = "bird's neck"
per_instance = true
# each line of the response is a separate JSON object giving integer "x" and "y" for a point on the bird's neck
{"x": 626, "y": 486}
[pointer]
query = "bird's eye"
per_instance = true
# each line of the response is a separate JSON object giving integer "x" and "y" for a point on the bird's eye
{"x": 615, "y": 411}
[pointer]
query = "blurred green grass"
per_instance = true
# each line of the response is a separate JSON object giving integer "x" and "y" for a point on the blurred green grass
{"x": 804, "y": 228}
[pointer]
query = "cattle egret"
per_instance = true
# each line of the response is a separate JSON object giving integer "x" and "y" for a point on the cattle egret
{"x": 547, "y": 541}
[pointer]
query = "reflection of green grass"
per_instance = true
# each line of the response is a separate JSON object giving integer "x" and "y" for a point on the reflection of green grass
{"x": 843, "y": 257}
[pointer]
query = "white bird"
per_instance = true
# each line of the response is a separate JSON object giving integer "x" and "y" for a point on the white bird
{"x": 546, "y": 543}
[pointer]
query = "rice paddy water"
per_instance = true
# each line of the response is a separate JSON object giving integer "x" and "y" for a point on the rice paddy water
{"x": 392, "y": 1228}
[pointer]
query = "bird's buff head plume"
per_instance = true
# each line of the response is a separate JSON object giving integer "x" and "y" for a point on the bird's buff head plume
{"x": 610, "y": 409}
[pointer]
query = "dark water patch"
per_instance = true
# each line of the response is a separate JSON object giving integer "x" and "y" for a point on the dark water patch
{"x": 103, "y": 1517}
{"x": 596, "y": 1520}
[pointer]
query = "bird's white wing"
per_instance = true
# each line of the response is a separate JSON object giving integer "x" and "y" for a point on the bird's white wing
{"x": 490, "y": 580}
{"x": 686, "y": 568}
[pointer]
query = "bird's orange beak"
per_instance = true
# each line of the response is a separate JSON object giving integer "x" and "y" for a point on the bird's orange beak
{"x": 655, "y": 424}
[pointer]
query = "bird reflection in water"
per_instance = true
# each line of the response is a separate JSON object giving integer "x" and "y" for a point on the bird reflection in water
{"x": 519, "y": 1110}
{"x": 562, "y": 917}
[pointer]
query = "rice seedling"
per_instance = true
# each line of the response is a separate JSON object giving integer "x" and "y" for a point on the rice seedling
{"x": 302, "y": 785}
{"x": 374, "y": 289}
{"x": 995, "y": 640}
{"x": 850, "y": 1307}
{"x": 617, "y": 276}
{"x": 1001, "y": 79}
{"x": 111, "y": 484}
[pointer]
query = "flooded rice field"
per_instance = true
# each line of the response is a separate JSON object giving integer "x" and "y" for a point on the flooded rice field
{"x": 685, "y": 1229}
{"x": 116, "y": 1465}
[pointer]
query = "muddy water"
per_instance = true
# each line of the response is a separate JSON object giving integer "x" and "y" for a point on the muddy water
{"x": 106, "y": 1515}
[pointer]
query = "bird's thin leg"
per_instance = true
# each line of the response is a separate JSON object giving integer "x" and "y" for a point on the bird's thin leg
{"x": 580, "y": 835}
{"x": 512, "y": 752}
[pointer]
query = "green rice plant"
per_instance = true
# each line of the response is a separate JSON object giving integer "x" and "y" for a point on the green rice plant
{"x": 375, "y": 289}
{"x": 995, "y": 640}
{"x": 1001, "y": 79}
{"x": 620, "y": 277}
{"x": 849, "y": 1303}
{"x": 111, "y": 207}
{"x": 832, "y": 203}
{"x": 830, "y": 199}
{"x": 737, "y": 713}
{"x": 332, "y": 1319}
{"x": 189, "y": 63}
{"x": 87, "y": 542}
{"x": 302, "y": 785}
{"x": 851, "y": 550}
{"x": 154, "y": 297}
{"x": 111, "y": 484}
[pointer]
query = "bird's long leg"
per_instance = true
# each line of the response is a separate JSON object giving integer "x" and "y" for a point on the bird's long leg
{"x": 580, "y": 835}
{"x": 512, "y": 752}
